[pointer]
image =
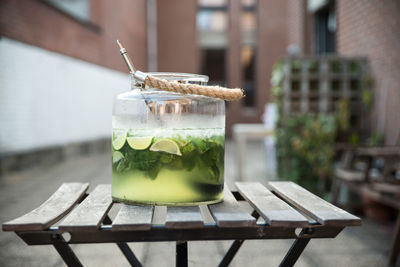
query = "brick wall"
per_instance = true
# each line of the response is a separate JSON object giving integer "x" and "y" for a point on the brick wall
{"x": 299, "y": 25}
{"x": 37, "y": 23}
{"x": 271, "y": 46}
{"x": 177, "y": 36}
{"x": 372, "y": 28}
{"x": 49, "y": 87}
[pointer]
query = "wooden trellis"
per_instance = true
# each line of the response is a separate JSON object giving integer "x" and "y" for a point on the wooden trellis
{"x": 317, "y": 84}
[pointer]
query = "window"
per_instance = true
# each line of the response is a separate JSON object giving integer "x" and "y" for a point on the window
{"x": 248, "y": 26}
{"x": 212, "y": 25}
{"x": 78, "y": 9}
{"x": 325, "y": 29}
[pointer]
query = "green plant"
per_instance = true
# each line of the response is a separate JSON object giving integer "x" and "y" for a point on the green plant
{"x": 343, "y": 122}
{"x": 276, "y": 79}
{"x": 366, "y": 92}
{"x": 343, "y": 114}
{"x": 305, "y": 148}
{"x": 306, "y": 142}
{"x": 376, "y": 139}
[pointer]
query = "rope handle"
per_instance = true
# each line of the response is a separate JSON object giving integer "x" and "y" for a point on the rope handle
{"x": 211, "y": 91}
{"x": 164, "y": 85}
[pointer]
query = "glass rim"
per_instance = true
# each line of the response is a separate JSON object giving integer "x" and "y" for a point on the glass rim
{"x": 182, "y": 77}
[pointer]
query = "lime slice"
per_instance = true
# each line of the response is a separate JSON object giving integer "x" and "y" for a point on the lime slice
{"x": 139, "y": 143}
{"x": 117, "y": 156}
{"x": 119, "y": 140}
{"x": 166, "y": 145}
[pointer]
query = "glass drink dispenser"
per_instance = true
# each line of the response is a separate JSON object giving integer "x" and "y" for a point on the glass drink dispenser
{"x": 167, "y": 147}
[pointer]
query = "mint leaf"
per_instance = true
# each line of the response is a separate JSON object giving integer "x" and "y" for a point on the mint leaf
{"x": 201, "y": 144}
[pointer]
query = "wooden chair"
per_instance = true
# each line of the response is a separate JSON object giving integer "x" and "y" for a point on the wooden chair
{"x": 358, "y": 171}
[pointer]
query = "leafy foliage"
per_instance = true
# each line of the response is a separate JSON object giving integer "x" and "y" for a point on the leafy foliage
{"x": 306, "y": 142}
{"x": 305, "y": 148}
{"x": 207, "y": 153}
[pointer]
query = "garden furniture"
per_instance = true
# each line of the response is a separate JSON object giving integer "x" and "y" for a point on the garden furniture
{"x": 356, "y": 171}
{"x": 286, "y": 211}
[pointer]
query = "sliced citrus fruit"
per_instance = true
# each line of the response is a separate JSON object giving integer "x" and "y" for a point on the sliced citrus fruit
{"x": 139, "y": 143}
{"x": 117, "y": 156}
{"x": 166, "y": 145}
{"x": 119, "y": 140}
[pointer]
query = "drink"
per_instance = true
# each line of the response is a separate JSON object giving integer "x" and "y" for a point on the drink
{"x": 168, "y": 148}
{"x": 168, "y": 166}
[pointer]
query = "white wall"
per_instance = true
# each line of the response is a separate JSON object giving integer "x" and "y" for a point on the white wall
{"x": 50, "y": 99}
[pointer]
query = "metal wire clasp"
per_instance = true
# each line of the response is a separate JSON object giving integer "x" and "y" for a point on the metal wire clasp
{"x": 139, "y": 76}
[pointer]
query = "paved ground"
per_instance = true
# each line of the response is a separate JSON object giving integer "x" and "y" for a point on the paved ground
{"x": 20, "y": 192}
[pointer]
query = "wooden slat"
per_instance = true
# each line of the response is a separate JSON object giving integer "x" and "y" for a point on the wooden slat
{"x": 274, "y": 211}
{"x": 391, "y": 189}
{"x": 315, "y": 207}
{"x": 53, "y": 209}
{"x": 132, "y": 217}
{"x": 379, "y": 151}
{"x": 349, "y": 175}
{"x": 91, "y": 212}
{"x": 184, "y": 217}
{"x": 229, "y": 213}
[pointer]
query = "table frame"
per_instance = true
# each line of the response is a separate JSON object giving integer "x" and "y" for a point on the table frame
{"x": 300, "y": 222}
{"x": 105, "y": 235}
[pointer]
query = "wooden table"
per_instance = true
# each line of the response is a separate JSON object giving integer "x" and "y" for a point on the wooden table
{"x": 287, "y": 211}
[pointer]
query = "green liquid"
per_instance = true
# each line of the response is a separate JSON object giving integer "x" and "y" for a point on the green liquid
{"x": 149, "y": 177}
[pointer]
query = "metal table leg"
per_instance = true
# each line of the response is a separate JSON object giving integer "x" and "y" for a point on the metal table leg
{"x": 234, "y": 247}
{"x": 181, "y": 254}
{"x": 294, "y": 252}
{"x": 125, "y": 249}
{"x": 296, "y": 249}
{"x": 65, "y": 251}
{"x": 231, "y": 253}
{"x": 129, "y": 255}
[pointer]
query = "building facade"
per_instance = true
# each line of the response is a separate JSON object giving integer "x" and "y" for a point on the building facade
{"x": 235, "y": 43}
{"x": 60, "y": 68}
{"x": 372, "y": 28}
{"x": 159, "y": 35}
{"x": 90, "y": 37}
{"x": 357, "y": 28}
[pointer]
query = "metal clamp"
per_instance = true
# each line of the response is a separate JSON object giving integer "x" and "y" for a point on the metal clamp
{"x": 138, "y": 75}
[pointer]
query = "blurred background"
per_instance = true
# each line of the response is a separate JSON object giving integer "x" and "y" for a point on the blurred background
{"x": 60, "y": 64}
{"x": 323, "y": 75}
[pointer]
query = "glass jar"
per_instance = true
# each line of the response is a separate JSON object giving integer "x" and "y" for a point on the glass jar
{"x": 168, "y": 148}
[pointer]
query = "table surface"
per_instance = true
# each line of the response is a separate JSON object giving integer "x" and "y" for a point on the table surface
{"x": 281, "y": 208}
